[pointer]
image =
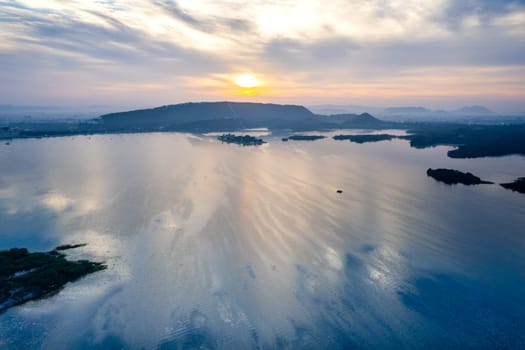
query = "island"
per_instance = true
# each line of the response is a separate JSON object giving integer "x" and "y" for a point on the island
{"x": 518, "y": 185}
{"x": 453, "y": 177}
{"x": 365, "y": 138}
{"x": 305, "y": 137}
{"x": 26, "y": 276}
{"x": 244, "y": 140}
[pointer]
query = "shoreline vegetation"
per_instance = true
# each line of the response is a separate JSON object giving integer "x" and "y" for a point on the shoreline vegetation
{"x": 454, "y": 177}
{"x": 243, "y": 140}
{"x": 517, "y": 185}
{"x": 26, "y": 276}
{"x": 468, "y": 140}
{"x": 365, "y": 138}
{"x": 304, "y": 137}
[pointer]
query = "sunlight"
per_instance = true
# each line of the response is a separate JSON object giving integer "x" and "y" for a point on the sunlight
{"x": 247, "y": 81}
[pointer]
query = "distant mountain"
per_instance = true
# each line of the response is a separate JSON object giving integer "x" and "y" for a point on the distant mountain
{"x": 422, "y": 111}
{"x": 419, "y": 113}
{"x": 8, "y": 108}
{"x": 43, "y": 113}
{"x": 363, "y": 120}
{"x": 464, "y": 114}
{"x": 407, "y": 110}
{"x": 474, "y": 111}
{"x": 328, "y": 109}
{"x": 213, "y": 116}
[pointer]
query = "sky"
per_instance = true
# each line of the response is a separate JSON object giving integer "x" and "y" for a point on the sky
{"x": 138, "y": 53}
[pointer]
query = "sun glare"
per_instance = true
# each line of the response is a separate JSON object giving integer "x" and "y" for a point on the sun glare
{"x": 247, "y": 81}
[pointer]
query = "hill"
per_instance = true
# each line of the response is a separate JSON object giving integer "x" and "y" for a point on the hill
{"x": 474, "y": 111}
{"x": 214, "y": 116}
{"x": 208, "y": 115}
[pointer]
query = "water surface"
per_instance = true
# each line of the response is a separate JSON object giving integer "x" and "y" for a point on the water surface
{"x": 218, "y": 246}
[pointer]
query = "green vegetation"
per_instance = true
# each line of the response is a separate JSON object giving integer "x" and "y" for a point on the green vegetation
{"x": 28, "y": 276}
{"x": 518, "y": 185}
{"x": 365, "y": 138}
{"x": 305, "y": 137}
{"x": 245, "y": 140}
{"x": 453, "y": 177}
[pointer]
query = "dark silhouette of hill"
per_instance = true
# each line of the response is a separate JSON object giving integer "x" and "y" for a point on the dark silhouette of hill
{"x": 211, "y": 115}
{"x": 231, "y": 116}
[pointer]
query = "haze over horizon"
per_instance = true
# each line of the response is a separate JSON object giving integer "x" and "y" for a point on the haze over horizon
{"x": 438, "y": 54}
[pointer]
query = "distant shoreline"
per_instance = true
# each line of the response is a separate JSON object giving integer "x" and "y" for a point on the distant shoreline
{"x": 469, "y": 140}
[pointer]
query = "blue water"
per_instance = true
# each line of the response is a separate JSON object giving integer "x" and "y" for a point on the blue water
{"x": 216, "y": 246}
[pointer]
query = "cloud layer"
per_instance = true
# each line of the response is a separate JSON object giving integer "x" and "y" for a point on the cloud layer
{"x": 440, "y": 53}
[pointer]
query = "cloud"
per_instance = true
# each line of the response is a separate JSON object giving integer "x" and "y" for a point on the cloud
{"x": 57, "y": 202}
{"x": 164, "y": 44}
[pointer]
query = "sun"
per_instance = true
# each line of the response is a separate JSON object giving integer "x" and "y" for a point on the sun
{"x": 247, "y": 81}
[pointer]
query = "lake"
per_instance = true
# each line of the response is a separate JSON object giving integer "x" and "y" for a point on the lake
{"x": 218, "y": 246}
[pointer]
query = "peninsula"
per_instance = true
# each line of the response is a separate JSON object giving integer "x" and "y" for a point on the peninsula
{"x": 26, "y": 276}
{"x": 518, "y": 185}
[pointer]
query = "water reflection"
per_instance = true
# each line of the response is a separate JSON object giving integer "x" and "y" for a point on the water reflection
{"x": 211, "y": 245}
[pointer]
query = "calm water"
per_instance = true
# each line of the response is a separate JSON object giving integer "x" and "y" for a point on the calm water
{"x": 216, "y": 246}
